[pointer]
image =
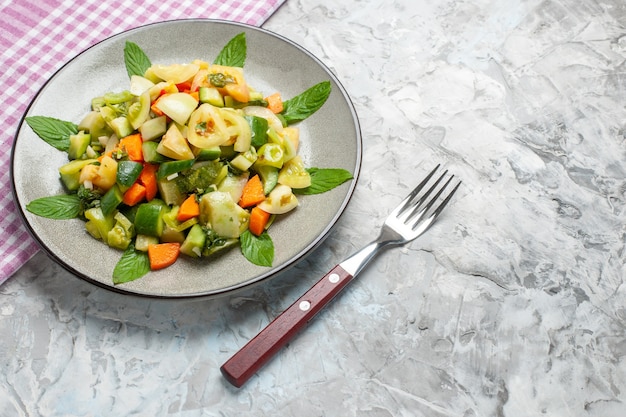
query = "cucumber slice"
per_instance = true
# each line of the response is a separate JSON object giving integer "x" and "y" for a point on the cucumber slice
{"x": 258, "y": 126}
{"x": 194, "y": 242}
{"x": 149, "y": 219}
{"x": 111, "y": 199}
{"x": 150, "y": 154}
{"x": 173, "y": 167}
{"x": 128, "y": 172}
{"x": 78, "y": 145}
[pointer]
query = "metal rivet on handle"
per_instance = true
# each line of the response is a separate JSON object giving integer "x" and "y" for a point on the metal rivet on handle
{"x": 334, "y": 278}
{"x": 304, "y": 305}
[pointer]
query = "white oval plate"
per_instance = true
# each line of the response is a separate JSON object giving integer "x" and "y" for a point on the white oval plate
{"x": 330, "y": 138}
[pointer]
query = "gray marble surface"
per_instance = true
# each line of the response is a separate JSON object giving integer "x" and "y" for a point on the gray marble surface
{"x": 513, "y": 304}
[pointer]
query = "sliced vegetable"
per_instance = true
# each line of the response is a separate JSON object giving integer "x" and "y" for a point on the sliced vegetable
{"x": 148, "y": 179}
{"x": 149, "y": 219}
{"x": 134, "y": 195}
{"x": 174, "y": 145}
{"x": 110, "y": 200}
{"x": 258, "y": 221}
{"x": 163, "y": 255}
{"x": 78, "y": 144}
{"x": 128, "y": 172}
{"x": 189, "y": 209}
{"x": 224, "y": 216}
{"x": 177, "y": 106}
{"x": 194, "y": 242}
{"x": 280, "y": 201}
{"x": 167, "y": 169}
{"x": 252, "y": 193}
{"x": 294, "y": 174}
{"x": 274, "y": 103}
{"x": 131, "y": 145}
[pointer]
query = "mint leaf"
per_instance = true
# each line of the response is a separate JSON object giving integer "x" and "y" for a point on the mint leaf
{"x": 324, "y": 179}
{"x": 137, "y": 62}
{"x": 234, "y": 52}
{"x": 305, "y": 104}
{"x": 58, "y": 207}
{"x": 133, "y": 265}
{"x": 257, "y": 249}
{"x": 53, "y": 131}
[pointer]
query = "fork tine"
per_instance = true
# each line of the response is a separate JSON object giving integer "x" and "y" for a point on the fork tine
{"x": 412, "y": 209}
{"x": 423, "y": 226}
{"x": 404, "y": 204}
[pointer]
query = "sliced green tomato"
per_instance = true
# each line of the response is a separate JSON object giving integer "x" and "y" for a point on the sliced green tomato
{"x": 118, "y": 98}
{"x": 98, "y": 225}
{"x": 176, "y": 73}
{"x": 142, "y": 242}
{"x": 225, "y": 217}
{"x": 174, "y": 145}
{"x": 149, "y": 219}
{"x": 153, "y": 128}
{"x": 95, "y": 125}
{"x": 169, "y": 168}
{"x": 234, "y": 185}
{"x": 177, "y": 106}
{"x": 270, "y": 154}
{"x": 237, "y": 127}
{"x": 139, "y": 111}
{"x": 280, "y": 201}
{"x": 120, "y": 236}
{"x": 139, "y": 85}
{"x": 207, "y": 129}
{"x": 294, "y": 174}
{"x": 111, "y": 199}
{"x": 128, "y": 172}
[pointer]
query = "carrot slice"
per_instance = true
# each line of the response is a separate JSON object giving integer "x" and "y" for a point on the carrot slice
{"x": 132, "y": 145}
{"x": 258, "y": 221}
{"x": 148, "y": 179}
{"x": 189, "y": 209}
{"x": 274, "y": 103}
{"x": 252, "y": 193}
{"x": 134, "y": 195}
{"x": 162, "y": 255}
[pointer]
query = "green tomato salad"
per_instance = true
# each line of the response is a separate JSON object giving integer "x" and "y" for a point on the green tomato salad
{"x": 189, "y": 160}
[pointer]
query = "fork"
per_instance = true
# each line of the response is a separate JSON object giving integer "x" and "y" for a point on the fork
{"x": 410, "y": 219}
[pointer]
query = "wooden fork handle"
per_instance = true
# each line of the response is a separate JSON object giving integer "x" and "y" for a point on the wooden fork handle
{"x": 259, "y": 350}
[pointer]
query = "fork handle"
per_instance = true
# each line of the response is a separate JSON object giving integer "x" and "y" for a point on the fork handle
{"x": 259, "y": 350}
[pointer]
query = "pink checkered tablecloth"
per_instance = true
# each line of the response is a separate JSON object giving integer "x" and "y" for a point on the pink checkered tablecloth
{"x": 38, "y": 37}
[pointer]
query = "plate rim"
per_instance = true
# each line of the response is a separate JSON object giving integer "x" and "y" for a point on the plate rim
{"x": 229, "y": 290}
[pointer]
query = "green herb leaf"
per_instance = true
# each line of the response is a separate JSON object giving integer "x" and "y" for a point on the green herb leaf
{"x": 305, "y": 104}
{"x": 234, "y": 53}
{"x": 58, "y": 207}
{"x": 137, "y": 62}
{"x": 257, "y": 249}
{"x": 133, "y": 265}
{"x": 53, "y": 131}
{"x": 324, "y": 179}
